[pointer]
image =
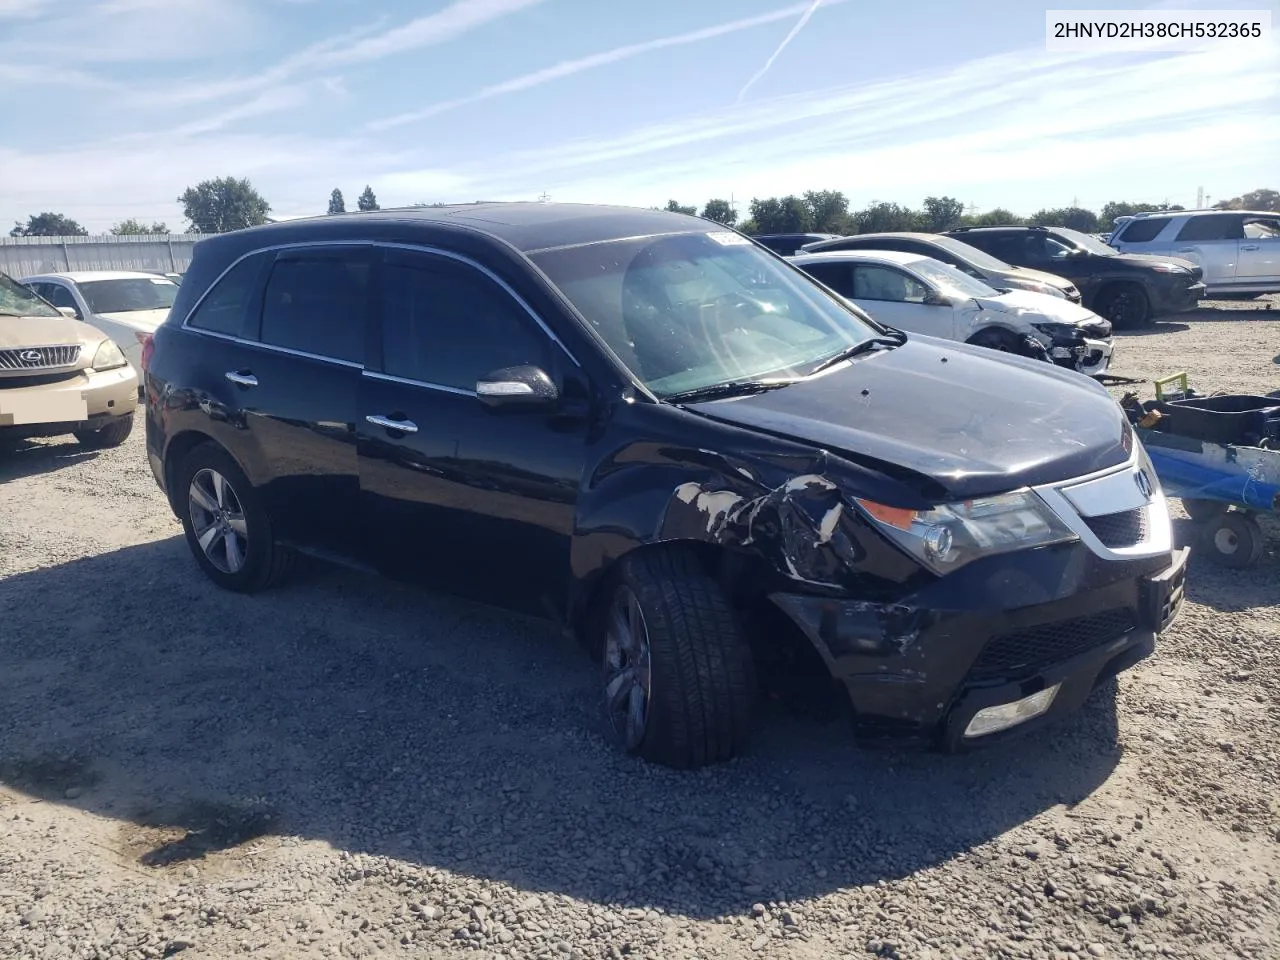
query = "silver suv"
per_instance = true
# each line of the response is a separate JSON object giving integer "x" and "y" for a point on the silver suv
{"x": 1239, "y": 250}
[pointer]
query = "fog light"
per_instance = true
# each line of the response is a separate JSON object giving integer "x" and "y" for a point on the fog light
{"x": 1006, "y": 715}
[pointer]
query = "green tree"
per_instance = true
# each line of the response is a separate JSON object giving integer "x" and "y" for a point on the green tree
{"x": 675, "y": 207}
{"x": 828, "y": 211}
{"x": 224, "y": 204}
{"x": 136, "y": 228}
{"x": 942, "y": 214}
{"x": 367, "y": 200}
{"x": 1075, "y": 218}
{"x": 720, "y": 211}
{"x": 1253, "y": 200}
{"x": 336, "y": 203}
{"x": 789, "y": 214}
{"x": 48, "y": 225}
{"x": 999, "y": 217}
{"x": 881, "y": 217}
{"x": 1113, "y": 210}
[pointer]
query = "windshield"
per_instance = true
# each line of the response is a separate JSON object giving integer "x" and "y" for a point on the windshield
{"x": 128, "y": 295}
{"x": 1084, "y": 241}
{"x": 978, "y": 258}
{"x": 691, "y": 311}
{"x": 952, "y": 281}
{"x": 16, "y": 300}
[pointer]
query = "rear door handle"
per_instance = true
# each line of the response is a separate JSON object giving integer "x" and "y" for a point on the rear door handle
{"x": 1186, "y": 250}
{"x": 403, "y": 426}
{"x": 1249, "y": 246}
{"x": 242, "y": 379}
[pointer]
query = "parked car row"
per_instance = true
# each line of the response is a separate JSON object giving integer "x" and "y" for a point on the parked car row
{"x": 677, "y": 444}
{"x": 126, "y": 305}
{"x": 59, "y": 375}
{"x": 1126, "y": 290}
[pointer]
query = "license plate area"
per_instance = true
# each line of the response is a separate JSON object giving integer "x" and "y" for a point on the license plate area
{"x": 42, "y": 406}
{"x": 1165, "y": 592}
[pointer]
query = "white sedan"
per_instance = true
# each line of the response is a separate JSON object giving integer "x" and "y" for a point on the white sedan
{"x": 922, "y": 295}
{"x": 126, "y": 305}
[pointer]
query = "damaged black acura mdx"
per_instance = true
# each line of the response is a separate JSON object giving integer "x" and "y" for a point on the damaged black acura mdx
{"x": 652, "y": 430}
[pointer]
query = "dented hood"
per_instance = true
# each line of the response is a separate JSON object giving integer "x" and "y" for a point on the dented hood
{"x": 973, "y": 421}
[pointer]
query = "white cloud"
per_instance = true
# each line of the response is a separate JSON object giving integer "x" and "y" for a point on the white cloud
{"x": 1003, "y": 102}
{"x": 568, "y": 68}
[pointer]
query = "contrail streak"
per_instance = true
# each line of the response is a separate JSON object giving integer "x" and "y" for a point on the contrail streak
{"x": 804, "y": 18}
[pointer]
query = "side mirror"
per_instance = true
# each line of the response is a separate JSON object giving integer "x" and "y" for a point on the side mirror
{"x": 934, "y": 299}
{"x": 71, "y": 312}
{"x": 524, "y": 386}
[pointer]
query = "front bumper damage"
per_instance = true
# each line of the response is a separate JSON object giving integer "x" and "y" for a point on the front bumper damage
{"x": 927, "y": 666}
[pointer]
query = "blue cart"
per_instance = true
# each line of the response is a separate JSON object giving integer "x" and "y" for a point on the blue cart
{"x": 1222, "y": 484}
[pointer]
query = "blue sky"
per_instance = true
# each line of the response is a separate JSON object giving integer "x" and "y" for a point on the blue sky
{"x": 113, "y": 107}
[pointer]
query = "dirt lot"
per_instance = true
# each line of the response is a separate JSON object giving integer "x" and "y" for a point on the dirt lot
{"x": 349, "y": 768}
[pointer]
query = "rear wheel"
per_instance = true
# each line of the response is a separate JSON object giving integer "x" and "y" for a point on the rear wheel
{"x": 1125, "y": 305}
{"x": 677, "y": 676}
{"x": 226, "y": 526}
{"x": 112, "y": 434}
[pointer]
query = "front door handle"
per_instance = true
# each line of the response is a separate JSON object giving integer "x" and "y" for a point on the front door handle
{"x": 1185, "y": 250}
{"x": 242, "y": 379}
{"x": 402, "y": 426}
{"x": 1249, "y": 246}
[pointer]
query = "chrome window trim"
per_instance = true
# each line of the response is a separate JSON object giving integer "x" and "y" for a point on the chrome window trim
{"x": 425, "y": 384}
{"x": 372, "y": 244}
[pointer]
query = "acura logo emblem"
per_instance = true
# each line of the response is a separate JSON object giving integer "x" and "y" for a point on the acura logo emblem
{"x": 1144, "y": 484}
{"x": 30, "y": 356}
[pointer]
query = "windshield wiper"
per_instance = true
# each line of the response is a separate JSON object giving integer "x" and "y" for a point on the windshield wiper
{"x": 896, "y": 339}
{"x": 730, "y": 388}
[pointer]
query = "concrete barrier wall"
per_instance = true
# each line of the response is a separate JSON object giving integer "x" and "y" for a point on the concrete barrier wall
{"x": 23, "y": 256}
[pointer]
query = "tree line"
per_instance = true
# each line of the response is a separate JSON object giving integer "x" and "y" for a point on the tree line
{"x": 827, "y": 211}
{"x": 228, "y": 203}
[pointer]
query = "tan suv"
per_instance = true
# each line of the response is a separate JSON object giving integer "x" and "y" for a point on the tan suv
{"x": 58, "y": 375}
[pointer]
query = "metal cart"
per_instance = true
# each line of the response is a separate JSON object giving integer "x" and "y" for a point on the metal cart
{"x": 1223, "y": 485}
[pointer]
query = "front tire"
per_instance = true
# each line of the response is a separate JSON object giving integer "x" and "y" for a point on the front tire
{"x": 1125, "y": 305}
{"x": 114, "y": 433}
{"x": 226, "y": 526}
{"x": 678, "y": 680}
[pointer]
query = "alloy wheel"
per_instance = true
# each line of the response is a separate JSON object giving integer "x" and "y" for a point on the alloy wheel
{"x": 217, "y": 518}
{"x": 628, "y": 673}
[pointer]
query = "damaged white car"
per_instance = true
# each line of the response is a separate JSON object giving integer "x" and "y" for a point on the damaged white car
{"x": 922, "y": 295}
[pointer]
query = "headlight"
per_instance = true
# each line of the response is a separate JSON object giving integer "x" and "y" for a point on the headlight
{"x": 1059, "y": 331}
{"x": 108, "y": 356}
{"x": 945, "y": 538}
{"x": 1045, "y": 288}
{"x": 1170, "y": 268}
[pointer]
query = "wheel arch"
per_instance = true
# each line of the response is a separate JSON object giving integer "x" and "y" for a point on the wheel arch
{"x": 176, "y": 449}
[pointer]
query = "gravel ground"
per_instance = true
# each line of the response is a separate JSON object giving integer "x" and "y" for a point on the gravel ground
{"x": 350, "y": 768}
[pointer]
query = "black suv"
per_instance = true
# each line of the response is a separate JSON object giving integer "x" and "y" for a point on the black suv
{"x": 648, "y": 428}
{"x": 788, "y": 244}
{"x": 1128, "y": 289}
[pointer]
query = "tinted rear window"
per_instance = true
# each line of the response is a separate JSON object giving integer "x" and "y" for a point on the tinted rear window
{"x": 226, "y": 307}
{"x": 1213, "y": 228}
{"x": 318, "y": 305}
{"x": 1140, "y": 231}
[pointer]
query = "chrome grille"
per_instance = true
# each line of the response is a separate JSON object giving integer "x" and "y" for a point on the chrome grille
{"x": 1127, "y": 528}
{"x": 39, "y": 358}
